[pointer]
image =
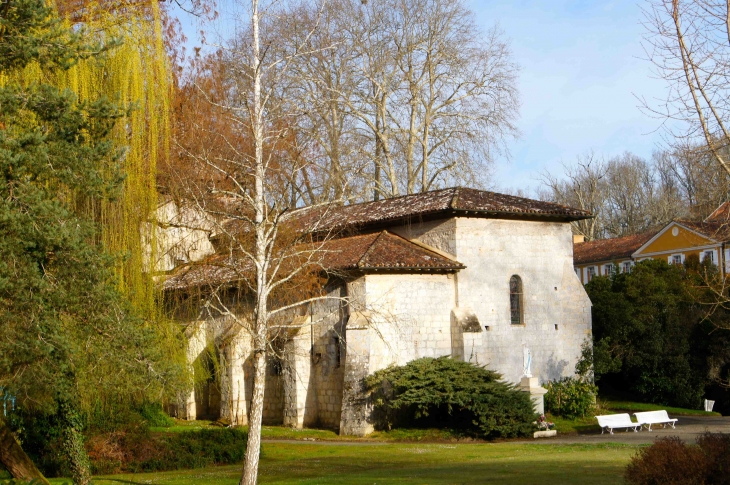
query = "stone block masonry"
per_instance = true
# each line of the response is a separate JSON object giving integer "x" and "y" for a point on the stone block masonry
{"x": 380, "y": 318}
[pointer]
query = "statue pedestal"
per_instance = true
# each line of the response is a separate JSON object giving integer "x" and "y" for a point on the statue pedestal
{"x": 530, "y": 384}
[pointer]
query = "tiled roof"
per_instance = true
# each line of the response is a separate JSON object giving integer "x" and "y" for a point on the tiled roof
{"x": 453, "y": 201}
{"x": 368, "y": 252}
{"x": 609, "y": 249}
{"x": 715, "y": 229}
{"x": 382, "y": 251}
{"x": 214, "y": 270}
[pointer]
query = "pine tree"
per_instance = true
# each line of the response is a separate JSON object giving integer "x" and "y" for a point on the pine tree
{"x": 67, "y": 333}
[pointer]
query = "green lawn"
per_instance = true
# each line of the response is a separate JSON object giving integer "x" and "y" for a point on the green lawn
{"x": 417, "y": 464}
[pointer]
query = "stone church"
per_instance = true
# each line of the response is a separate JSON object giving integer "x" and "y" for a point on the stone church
{"x": 475, "y": 275}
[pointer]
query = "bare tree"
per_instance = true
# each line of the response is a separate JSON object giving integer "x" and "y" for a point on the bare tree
{"x": 427, "y": 96}
{"x": 638, "y": 198}
{"x": 584, "y": 188}
{"x": 693, "y": 171}
{"x": 242, "y": 168}
{"x": 688, "y": 41}
{"x": 626, "y": 194}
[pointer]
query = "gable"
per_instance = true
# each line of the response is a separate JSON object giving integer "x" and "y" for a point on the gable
{"x": 674, "y": 237}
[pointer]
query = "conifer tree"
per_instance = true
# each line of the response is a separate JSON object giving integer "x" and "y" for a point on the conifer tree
{"x": 67, "y": 334}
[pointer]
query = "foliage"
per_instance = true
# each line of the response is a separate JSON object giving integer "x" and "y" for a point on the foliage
{"x": 155, "y": 416}
{"x": 671, "y": 461}
{"x": 570, "y": 397}
{"x": 451, "y": 394}
{"x": 651, "y": 336}
{"x": 142, "y": 451}
{"x": 70, "y": 336}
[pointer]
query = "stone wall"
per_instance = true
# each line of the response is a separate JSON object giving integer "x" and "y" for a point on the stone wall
{"x": 556, "y": 307}
{"x": 410, "y": 317}
{"x": 557, "y": 318}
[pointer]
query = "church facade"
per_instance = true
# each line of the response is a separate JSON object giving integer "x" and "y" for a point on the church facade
{"x": 474, "y": 275}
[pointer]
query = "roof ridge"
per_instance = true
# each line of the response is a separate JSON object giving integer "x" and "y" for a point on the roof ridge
{"x": 370, "y": 247}
{"x": 426, "y": 247}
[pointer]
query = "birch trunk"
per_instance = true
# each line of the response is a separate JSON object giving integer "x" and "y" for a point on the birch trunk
{"x": 253, "y": 447}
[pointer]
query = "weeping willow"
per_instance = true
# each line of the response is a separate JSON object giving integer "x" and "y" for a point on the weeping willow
{"x": 136, "y": 75}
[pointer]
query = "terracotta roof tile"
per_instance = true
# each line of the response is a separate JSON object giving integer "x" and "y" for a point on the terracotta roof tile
{"x": 368, "y": 252}
{"x": 453, "y": 201}
{"x": 609, "y": 249}
{"x": 382, "y": 250}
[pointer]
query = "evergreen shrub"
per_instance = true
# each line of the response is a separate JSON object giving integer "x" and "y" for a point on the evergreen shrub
{"x": 447, "y": 393}
{"x": 570, "y": 397}
{"x": 670, "y": 461}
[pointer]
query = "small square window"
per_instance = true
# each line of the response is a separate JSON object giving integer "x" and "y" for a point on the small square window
{"x": 627, "y": 267}
{"x": 676, "y": 259}
{"x": 608, "y": 270}
{"x": 709, "y": 255}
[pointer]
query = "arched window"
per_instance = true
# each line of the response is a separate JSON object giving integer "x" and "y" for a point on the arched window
{"x": 515, "y": 300}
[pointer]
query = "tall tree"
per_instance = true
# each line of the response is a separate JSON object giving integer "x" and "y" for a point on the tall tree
{"x": 241, "y": 168}
{"x": 69, "y": 336}
{"x": 428, "y": 95}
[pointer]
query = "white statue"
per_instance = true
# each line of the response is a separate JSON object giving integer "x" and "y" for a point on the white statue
{"x": 526, "y": 361}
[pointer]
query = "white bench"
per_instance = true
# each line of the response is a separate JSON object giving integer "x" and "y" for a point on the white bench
{"x": 614, "y": 421}
{"x": 647, "y": 418}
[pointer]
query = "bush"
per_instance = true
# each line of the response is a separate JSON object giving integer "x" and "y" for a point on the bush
{"x": 155, "y": 416}
{"x": 570, "y": 397}
{"x": 670, "y": 461}
{"x": 450, "y": 394}
{"x": 148, "y": 452}
{"x": 652, "y": 335}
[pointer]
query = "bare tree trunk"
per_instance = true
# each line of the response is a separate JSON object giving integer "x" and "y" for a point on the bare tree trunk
{"x": 14, "y": 458}
{"x": 253, "y": 445}
{"x": 253, "y": 448}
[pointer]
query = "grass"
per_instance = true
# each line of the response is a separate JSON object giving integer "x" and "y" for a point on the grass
{"x": 308, "y": 434}
{"x": 412, "y": 464}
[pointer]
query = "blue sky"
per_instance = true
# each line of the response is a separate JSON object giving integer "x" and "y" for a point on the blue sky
{"x": 582, "y": 67}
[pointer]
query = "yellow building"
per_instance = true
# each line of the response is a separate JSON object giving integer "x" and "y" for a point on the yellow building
{"x": 709, "y": 239}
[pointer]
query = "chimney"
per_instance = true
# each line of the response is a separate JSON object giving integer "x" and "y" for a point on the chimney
{"x": 578, "y": 238}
